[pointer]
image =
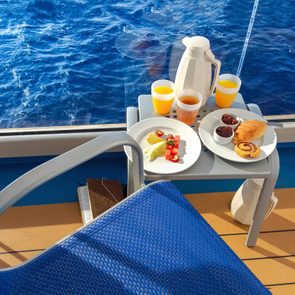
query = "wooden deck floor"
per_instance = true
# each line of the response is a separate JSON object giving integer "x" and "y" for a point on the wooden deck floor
{"x": 272, "y": 260}
{"x": 27, "y": 231}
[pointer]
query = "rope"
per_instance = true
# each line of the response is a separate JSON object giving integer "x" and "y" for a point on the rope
{"x": 248, "y": 35}
{"x": 108, "y": 189}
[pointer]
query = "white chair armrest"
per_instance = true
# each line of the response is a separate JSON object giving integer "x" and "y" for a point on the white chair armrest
{"x": 64, "y": 162}
{"x": 132, "y": 116}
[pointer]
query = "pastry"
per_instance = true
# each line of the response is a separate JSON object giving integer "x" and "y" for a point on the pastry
{"x": 247, "y": 149}
{"x": 249, "y": 130}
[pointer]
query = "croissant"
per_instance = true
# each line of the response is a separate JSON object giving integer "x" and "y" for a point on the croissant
{"x": 247, "y": 149}
{"x": 249, "y": 130}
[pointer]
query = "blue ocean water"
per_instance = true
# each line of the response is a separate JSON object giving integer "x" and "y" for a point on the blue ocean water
{"x": 72, "y": 62}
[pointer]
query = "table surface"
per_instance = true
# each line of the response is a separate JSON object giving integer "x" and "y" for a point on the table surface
{"x": 209, "y": 165}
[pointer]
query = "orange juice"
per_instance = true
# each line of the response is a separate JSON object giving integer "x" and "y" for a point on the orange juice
{"x": 227, "y": 83}
{"x": 163, "y": 89}
{"x": 226, "y": 91}
{"x": 162, "y": 97}
{"x": 162, "y": 107}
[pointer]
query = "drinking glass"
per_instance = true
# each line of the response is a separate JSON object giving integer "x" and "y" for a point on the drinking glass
{"x": 188, "y": 104}
{"x": 227, "y": 88}
{"x": 162, "y": 96}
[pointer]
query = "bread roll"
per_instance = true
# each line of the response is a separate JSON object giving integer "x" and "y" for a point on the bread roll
{"x": 247, "y": 149}
{"x": 249, "y": 130}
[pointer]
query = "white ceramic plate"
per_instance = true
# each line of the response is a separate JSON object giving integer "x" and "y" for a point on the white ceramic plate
{"x": 189, "y": 148}
{"x": 267, "y": 143}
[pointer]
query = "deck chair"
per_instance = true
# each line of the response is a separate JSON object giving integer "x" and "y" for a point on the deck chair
{"x": 153, "y": 242}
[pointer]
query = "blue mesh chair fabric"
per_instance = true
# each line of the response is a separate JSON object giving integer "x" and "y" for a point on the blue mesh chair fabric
{"x": 154, "y": 242}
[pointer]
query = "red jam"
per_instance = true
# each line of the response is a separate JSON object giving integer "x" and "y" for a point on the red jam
{"x": 229, "y": 119}
{"x": 224, "y": 131}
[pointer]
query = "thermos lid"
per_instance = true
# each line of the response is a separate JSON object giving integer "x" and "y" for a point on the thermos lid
{"x": 196, "y": 43}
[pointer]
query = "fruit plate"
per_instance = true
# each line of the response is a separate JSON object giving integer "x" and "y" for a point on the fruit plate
{"x": 189, "y": 147}
{"x": 267, "y": 143}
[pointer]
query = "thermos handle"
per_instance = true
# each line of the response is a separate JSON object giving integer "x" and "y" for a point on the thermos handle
{"x": 217, "y": 64}
{"x": 273, "y": 203}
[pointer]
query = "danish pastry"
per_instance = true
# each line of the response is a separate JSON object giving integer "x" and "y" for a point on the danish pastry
{"x": 247, "y": 149}
{"x": 249, "y": 131}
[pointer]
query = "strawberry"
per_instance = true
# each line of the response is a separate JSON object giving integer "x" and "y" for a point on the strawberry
{"x": 174, "y": 159}
{"x": 168, "y": 155}
{"x": 159, "y": 132}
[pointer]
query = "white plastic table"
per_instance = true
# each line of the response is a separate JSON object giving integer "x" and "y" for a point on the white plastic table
{"x": 211, "y": 166}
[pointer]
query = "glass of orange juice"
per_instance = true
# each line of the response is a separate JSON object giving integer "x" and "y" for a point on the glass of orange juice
{"x": 188, "y": 104}
{"x": 227, "y": 88}
{"x": 163, "y": 96}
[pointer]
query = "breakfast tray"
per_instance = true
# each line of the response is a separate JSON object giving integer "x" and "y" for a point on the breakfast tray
{"x": 209, "y": 165}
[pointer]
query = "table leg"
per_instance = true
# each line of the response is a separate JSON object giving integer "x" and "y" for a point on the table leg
{"x": 131, "y": 118}
{"x": 264, "y": 199}
{"x": 130, "y": 180}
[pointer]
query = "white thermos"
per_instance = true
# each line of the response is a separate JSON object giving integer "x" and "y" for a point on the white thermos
{"x": 245, "y": 200}
{"x": 195, "y": 67}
